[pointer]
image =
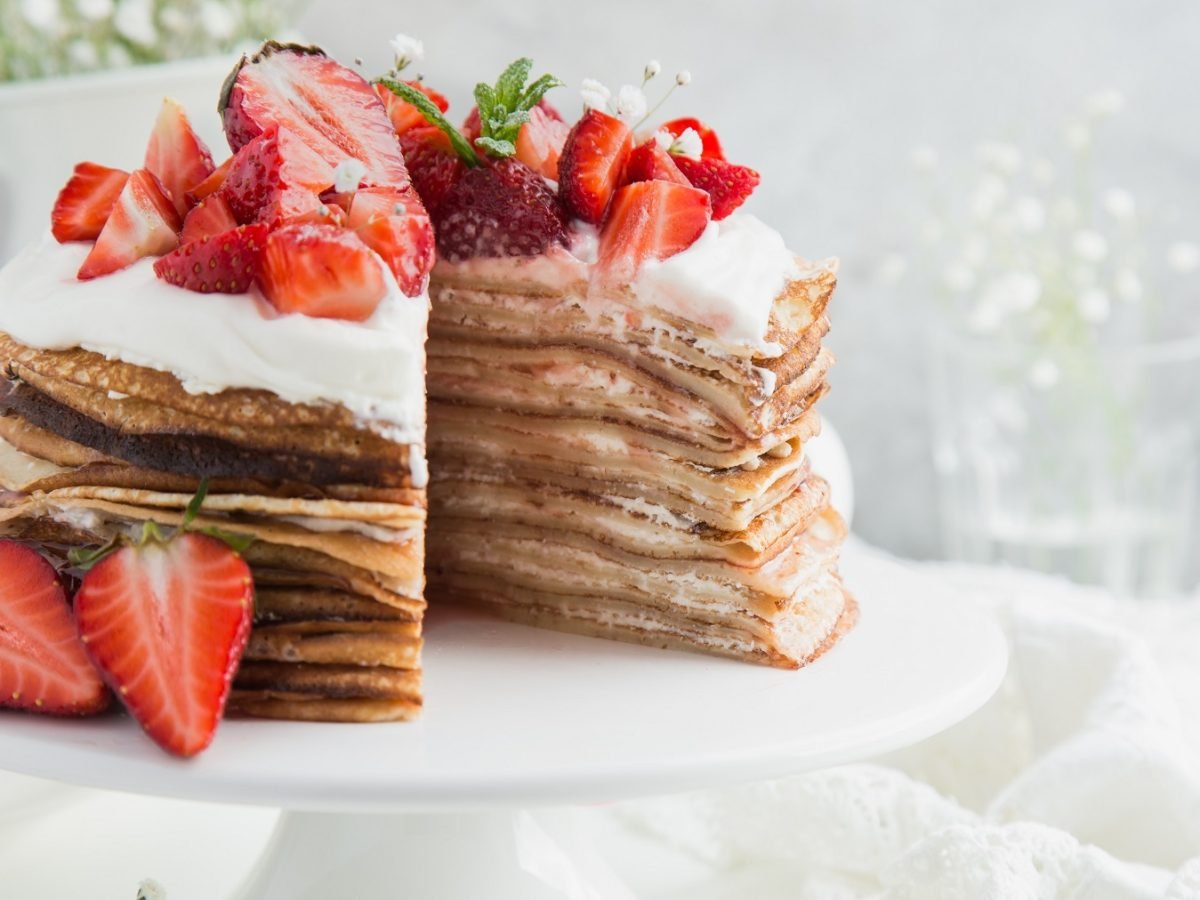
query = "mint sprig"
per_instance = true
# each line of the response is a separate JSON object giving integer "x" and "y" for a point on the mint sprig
{"x": 433, "y": 116}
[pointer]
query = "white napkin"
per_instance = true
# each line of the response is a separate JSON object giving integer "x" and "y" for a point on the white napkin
{"x": 1079, "y": 779}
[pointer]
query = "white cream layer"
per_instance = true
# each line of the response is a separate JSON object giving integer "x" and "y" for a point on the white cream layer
{"x": 210, "y": 342}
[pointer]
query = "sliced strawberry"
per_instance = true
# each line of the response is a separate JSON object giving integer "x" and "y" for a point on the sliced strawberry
{"x": 432, "y": 163}
{"x": 276, "y": 178}
{"x": 592, "y": 164}
{"x": 211, "y": 184}
{"x": 540, "y": 142}
{"x": 321, "y": 271}
{"x": 85, "y": 202}
{"x": 43, "y": 666}
{"x": 649, "y": 220}
{"x": 502, "y": 208}
{"x": 166, "y": 621}
{"x": 710, "y": 143}
{"x": 403, "y": 114}
{"x": 395, "y": 225}
{"x": 216, "y": 264}
{"x": 650, "y": 162}
{"x": 208, "y": 217}
{"x": 143, "y": 223}
{"x": 728, "y": 185}
{"x": 472, "y": 127}
{"x": 176, "y": 154}
{"x": 328, "y": 106}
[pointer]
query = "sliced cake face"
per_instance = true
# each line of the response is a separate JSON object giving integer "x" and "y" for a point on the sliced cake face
{"x": 252, "y": 328}
{"x": 623, "y": 372}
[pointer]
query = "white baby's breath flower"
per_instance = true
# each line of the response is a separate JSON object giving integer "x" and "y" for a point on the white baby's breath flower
{"x": 150, "y": 889}
{"x": 959, "y": 277}
{"x": 1004, "y": 158}
{"x": 217, "y": 20}
{"x": 1021, "y": 291}
{"x": 1030, "y": 213}
{"x": 1094, "y": 306}
{"x": 1077, "y": 136}
{"x": 1043, "y": 374}
{"x": 348, "y": 174}
{"x": 1105, "y": 104}
{"x": 1183, "y": 256}
{"x": 94, "y": 10}
{"x": 1127, "y": 285}
{"x": 83, "y": 54}
{"x": 595, "y": 94}
{"x": 989, "y": 194}
{"x": 406, "y": 50}
{"x": 652, "y": 69}
{"x": 134, "y": 21}
{"x": 664, "y": 139}
{"x": 688, "y": 144}
{"x": 924, "y": 158}
{"x": 683, "y": 77}
{"x": 1120, "y": 204}
{"x": 631, "y": 103}
{"x": 43, "y": 15}
{"x": 1089, "y": 245}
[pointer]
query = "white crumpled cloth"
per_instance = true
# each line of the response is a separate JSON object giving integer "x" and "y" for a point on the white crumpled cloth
{"x": 1080, "y": 779}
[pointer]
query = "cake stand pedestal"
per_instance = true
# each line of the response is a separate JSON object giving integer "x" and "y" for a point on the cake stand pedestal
{"x": 517, "y": 718}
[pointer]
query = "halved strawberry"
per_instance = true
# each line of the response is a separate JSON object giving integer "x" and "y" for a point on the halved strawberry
{"x": 540, "y": 142}
{"x": 143, "y": 223}
{"x": 395, "y": 225}
{"x": 322, "y": 271}
{"x": 85, "y": 202}
{"x": 211, "y": 184}
{"x": 432, "y": 164}
{"x": 727, "y": 184}
{"x": 176, "y": 154}
{"x": 276, "y": 178}
{"x": 166, "y": 621}
{"x": 592, "y": 164}
{"x": 649, "y": 220}
{"x": 216, "y": 264}
{"x": 709, "y": 141}
{"x": 403, "y": 114}
{"x": 650, "y": 162}
{"x": 210, "y": 216}
{"x": 328, "y": 106}
{"x": 43, "y": 666}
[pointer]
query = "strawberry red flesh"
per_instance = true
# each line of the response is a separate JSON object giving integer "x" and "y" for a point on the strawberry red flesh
{"x": 211, "y": 184}
{"x": 649, "y": 220}
{"x": 540, "y": 142}
{"x": 85, "y": 202}
{"x": 276, "y": 178}
{"x": 501, "y": 208}
{"x": 650, "y": 162}
{"x": 177, "y": 155}
{"x": 166, "y": 622}
{"x": 709, "y": 142}
{"x": 328, "y": 106}
{"x": 43, "y": 665}
{"x": 143, "y": 223}
{"x": 592, "y": 164}
{"x": 727, "y": 184}
{"x": 402, "y": 114}
{"x": 395, "y": 225}
{"x": 432, "y": 163}
{"x": 321, "y": 271}
{"x": 208, "y": 217}
{"x": 224, "y": 263}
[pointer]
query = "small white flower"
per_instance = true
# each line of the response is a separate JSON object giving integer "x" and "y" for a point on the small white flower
{"x": 1120, "y": 204}
{"x": 989, "y": 194}
{"x": 652, "y": 68}
{"x": 217, "y": 20}
{"x": 664, "y": 139}
{"x": 1094, "y": 306}
{"x": 595, "y": 94}
{"x": 683, "y": 77}
{"x": 1029, "y": 212}
{"x": 134, "y": 20}
{"x": 348, "y": 174}
{"x": 687, "y": 144}
{"x": 1090, "y": 245}
{"x": 1004, "y": 158}
{"x": 631, "y": 103}
{"x": 44, "y": 15}
{"x": 150, "y": 889}
{"x": 406, "y": 50}
{"x": 924, "y": 158}
{"x": 959, "y": 277}
{"x": 1105, "y": 104}
{"x": 1077, "y": 136}
{"x": 1183, "y": 256}
{"x": 1127, "y": 285}
{"x": 83, "y": 54}
{"x": 94, "y": 10}
{"x": 1043, "y": 374}
{"x": 1021, "y": 290}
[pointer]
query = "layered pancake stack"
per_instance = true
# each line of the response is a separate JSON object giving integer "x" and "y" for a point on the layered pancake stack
{"x": 606, "y": 465}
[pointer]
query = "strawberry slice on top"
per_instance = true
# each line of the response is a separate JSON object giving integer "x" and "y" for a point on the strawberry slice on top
{"x": 650, "y": 162}
{"x": 540, "y": 142}
{"x": 216, "y": 263}
{"x": 321, "y": 271}
{"x": 176, "y": 154}
{"x": 43, "y": 665}
{"x": 85, "y": 202}
{"x": 208, "y": 217}
{"x": 395, "y": 225}
{"x": 404, "y": 115}
{"x": 649, "y": 220}
{"x": 143, "y": 222}
{"x": 432, "y": 163}
{"x": 709, "y": 142}
{"x": 593, "y": 163}
{"x": 726, "y": 183}
{"x": 328, "y": 106}
{"x": 275, "y": 178}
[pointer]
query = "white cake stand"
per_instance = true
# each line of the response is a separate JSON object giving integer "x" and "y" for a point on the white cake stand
{"x": 517, "y": 717}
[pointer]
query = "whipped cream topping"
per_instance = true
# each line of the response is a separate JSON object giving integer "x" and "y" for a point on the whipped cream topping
{"x": 210, "y": 342}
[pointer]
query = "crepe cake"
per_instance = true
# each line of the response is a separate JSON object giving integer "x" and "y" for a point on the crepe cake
{"x": 259, "y": 325}
{"x": 623, "y": 372}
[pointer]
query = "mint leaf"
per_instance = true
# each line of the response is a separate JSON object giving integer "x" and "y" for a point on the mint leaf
{"x": 512, "y": 81}
{"x": 433, "y": 116}
{"x": 505, "y": 107}
{"x": 237, "y": 542}
{"x": 535, "y": 92}
{"x": 193, "y": 508}
{"x": 495, "y": 147}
